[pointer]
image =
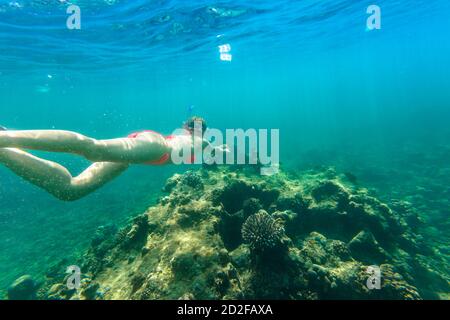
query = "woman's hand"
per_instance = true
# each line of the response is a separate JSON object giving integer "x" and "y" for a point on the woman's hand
{"x": 223, "y": 148}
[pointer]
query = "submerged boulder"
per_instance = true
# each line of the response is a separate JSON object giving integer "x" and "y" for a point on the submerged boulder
{"x": 23, "y": 288}
{"x": 364, "y": 247}
{"x": 232, "y": 234}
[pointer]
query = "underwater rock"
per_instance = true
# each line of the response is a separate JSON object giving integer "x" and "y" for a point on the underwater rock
{"x": 394, "y": 287}
{"x": 288, "y": 217}
{"x": 329, "y": 190}
{"x": 222, "y": 233}
{"x": 192, "y": 179}
{"x": 297, "y": 203}
{"x": 187, "y": 296}
{"x": 137, "y": 281}
{"x": 364, "y": 247}
{"x": 103, "y": 233}
{"x": 54, "y": 293}
{"x": 341, "y": 277}
{"x": 172, "y": 182}
{"x": 91, "y": 291}
{"x": 23, "y": 288}
{"x": 192, "y": 213}
{"x": 351, "y": 177}
{"x": 138, "y": 231}
{"x": 103, "y": 240}
{"x": 236, "y": 191}
{"x": 241, "y": 256}
{"x": 251, "y": 206}
{"x": 233, "y": 195}
{"x": 230, "y": 229}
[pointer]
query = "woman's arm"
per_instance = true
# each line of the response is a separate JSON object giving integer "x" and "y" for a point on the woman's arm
{"x": 221, "y": 148}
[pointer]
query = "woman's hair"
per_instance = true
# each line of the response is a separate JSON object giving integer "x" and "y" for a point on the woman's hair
{"x": 190, "y": 124}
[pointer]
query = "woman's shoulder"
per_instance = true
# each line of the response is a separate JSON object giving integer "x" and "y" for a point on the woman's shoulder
{"x": 180, "y": 134}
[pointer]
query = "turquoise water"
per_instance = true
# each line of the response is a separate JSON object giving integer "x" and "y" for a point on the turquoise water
{"x": 375, "y": 103}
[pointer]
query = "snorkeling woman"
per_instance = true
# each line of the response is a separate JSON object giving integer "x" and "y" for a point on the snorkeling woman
{"x": 110, "y": 157}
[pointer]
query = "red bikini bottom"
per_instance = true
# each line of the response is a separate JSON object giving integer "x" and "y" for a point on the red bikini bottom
{"x": 165, "y": 157}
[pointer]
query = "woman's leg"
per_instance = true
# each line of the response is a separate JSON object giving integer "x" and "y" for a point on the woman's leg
{"x": 48, "y": 140}
{"x": 55, "y": 178}
{"x": 147, "y": 147}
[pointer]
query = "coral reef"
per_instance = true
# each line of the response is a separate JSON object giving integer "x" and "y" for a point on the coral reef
{"x": 232, "y": 234}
